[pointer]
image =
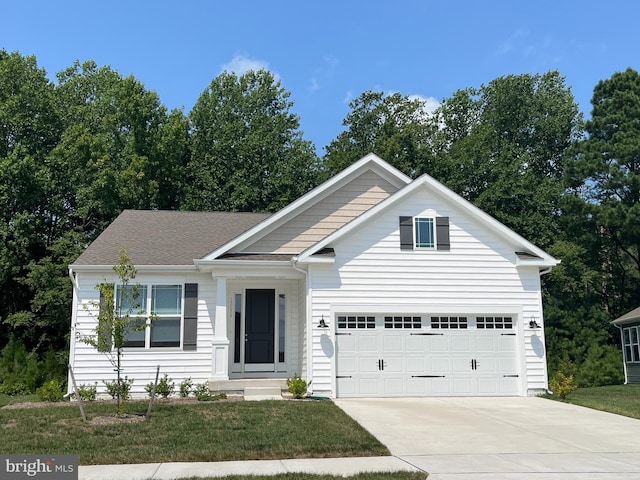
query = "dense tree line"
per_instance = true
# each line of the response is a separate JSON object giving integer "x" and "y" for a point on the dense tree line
{"x": 75, "y": 153}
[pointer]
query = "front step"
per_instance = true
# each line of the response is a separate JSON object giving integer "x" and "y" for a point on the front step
{"x": 257, "y": 388}
{"x": 262, "y": 393}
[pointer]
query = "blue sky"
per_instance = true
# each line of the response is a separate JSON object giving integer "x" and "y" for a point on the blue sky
{"x": 327, "y": 52}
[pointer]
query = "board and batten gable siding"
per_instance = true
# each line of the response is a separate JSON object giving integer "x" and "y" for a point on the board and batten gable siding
{"x": 326, "y": 216}
{"x": 90, "y": 366}
{"x": 477, "y": 275}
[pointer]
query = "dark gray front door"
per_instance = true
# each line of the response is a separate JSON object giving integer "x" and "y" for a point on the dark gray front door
{"x": 260, "y": 326}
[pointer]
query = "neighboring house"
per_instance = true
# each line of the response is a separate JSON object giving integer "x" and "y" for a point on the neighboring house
{"x": 372, "y": 284}
{"x": 629, "y": 326}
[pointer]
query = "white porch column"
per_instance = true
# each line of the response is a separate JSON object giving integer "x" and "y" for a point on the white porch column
{"x": 220, "y": 343}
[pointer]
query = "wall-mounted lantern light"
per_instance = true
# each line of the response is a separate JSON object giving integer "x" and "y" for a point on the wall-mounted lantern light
{"x": 533, "y": 323}
{"x": 322, "y": 323}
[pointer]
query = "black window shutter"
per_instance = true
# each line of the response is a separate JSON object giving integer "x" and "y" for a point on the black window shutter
{"x": 105, "y": 339}
{"x": 442, "y": 233}
{"x": 190, "y": 335}
{"x": 406, "y": 233}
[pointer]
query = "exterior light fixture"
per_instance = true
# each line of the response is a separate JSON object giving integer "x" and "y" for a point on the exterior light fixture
{"x": 533, "y": 323}
{"x": 322, "y": 323}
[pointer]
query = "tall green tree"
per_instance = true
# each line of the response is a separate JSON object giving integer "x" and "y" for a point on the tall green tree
{"x": 609, "y": 161}
{"x": 247, "y": 152}
{"x": 504, "y": 146}
{"x": 396, "y": 127}
{"x": 30, "y": 127}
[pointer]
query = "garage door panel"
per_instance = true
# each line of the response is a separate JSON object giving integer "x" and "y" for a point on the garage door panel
{"x": 416, "y": 364}
{"x": 392, "y": 343}
{"x": 384, "y": 360}
{"x": 369, "y": 386}
{"x": 367, "y": 342}
{"x": 368, "y": 364}
{"x": 485, "y": 343}
{"x": 460, "y": 343}
{"x": 393, "y": 386}
{"x": 417, "y": 386}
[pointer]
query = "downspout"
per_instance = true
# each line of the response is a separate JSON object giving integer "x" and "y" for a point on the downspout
{"x": 74, "y": 318}
{"x": 308, "y": 318}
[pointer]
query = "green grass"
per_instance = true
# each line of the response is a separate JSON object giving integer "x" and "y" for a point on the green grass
{"x": 8, "y": 400}
{"x": 193, "y": 432}
{"x": 620, "y": 399}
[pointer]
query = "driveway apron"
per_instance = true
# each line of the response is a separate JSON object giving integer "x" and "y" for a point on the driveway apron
{"x": 502, "y": 438}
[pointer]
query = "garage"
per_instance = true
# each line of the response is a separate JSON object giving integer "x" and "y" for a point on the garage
{"x": 426, "y": 355}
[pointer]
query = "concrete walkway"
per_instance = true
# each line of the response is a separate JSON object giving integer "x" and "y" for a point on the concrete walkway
{"x": 502, "y": 438}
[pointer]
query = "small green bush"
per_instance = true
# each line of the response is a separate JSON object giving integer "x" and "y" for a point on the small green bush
{"x": 186, "y": 387}
{"x": 87, "y": 393}
{"x": 51, "y": 391}
{"x": 203, "y": 394}
{"x": 562, "y": 385}
{"x": 297, "y": 386}
{"x": 165, "y": 387}
{"x": 14, "y": 388}
{"x": 125, "y": 387}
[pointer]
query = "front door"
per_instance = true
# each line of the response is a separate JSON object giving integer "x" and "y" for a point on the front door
{"x": 259, "y": 330}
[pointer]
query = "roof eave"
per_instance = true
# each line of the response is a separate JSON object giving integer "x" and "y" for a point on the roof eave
{"x": 139, "y": 268}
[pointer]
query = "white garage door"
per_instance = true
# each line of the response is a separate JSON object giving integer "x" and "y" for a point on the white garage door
{"x": 386, "y": 356}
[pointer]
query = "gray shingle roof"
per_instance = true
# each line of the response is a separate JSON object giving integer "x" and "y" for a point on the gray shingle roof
{"x": 633, "y": 315}
{"x": 160, "y": 237}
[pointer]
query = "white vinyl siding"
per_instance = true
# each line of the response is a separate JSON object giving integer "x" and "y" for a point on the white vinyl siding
{"x": 138, "y": 363}
{"x": 477, "y": 276}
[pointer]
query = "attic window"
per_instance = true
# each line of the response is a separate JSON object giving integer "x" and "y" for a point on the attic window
{"x": 424, "y": 233}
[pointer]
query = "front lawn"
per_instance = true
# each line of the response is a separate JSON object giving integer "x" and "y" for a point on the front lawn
{"x": 188, "y": 432}
{"x": 620, "y": 399}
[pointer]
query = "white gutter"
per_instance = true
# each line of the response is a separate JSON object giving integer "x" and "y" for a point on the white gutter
{"x": 74, "y": 279}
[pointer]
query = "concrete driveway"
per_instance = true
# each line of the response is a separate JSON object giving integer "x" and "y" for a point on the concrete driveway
{"x": 502, "y": 438}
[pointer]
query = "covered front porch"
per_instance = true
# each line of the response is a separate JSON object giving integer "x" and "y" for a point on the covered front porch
{"x": 259, "y": 325}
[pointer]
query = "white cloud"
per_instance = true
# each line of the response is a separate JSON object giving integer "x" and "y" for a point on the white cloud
{"x": 430, "y": 103}
{"x": 241, "y": 64}
{"x": 348, "y": 97}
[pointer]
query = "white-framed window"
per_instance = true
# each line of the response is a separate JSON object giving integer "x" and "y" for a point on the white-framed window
{"x": 424, "y": 233}
{"x": 631, "y": 341}
{"x": 163, "y": 304}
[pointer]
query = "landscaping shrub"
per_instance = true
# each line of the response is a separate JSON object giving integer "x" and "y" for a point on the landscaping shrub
{"x": 562, "y": 385}
{"x": 88, "y": 393}
{"x": 125, "y": 387}
{"x": 186, "y": 386}
{"x": 203, "y": 394}
{"x": 165, "y": 387}
{"x": 50, "y": 391}
{"x": 297, "y": 386}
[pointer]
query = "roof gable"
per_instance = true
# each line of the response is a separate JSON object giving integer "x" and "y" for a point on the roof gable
{"x": 538, "y": 256}
{"x": 369, "y": 163}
